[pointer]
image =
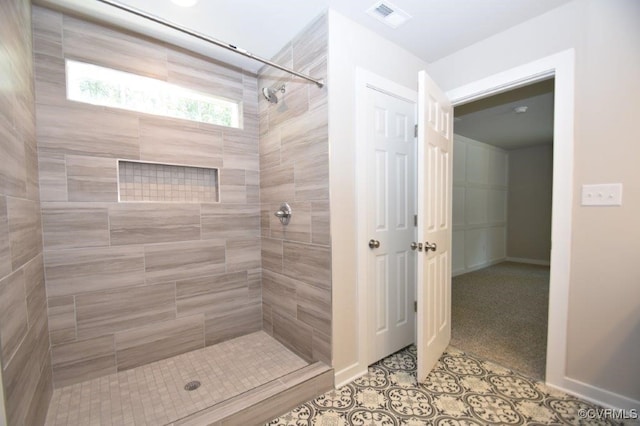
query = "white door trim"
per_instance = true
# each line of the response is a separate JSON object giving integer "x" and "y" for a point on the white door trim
{"x": 365, "y": 80}
{"x": 561, "y": 66}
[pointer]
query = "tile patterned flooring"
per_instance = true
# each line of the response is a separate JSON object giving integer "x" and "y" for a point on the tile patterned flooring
{"x": 461, "y": 390}
{"x": 154, "y": 394}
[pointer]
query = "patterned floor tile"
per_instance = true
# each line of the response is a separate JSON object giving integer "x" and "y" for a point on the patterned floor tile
{"x": 462, "y": 390}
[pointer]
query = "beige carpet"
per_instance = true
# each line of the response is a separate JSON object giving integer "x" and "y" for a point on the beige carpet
{"x": 500, "y": 314}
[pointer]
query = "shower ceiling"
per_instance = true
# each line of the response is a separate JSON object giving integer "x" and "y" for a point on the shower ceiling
{"x": 437, "y": 29}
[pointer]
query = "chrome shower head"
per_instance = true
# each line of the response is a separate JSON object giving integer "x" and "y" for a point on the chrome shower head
{"x": 270, "y": 93}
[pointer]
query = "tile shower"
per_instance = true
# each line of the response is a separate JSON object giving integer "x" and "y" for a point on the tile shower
{"x": 137, "y": 275}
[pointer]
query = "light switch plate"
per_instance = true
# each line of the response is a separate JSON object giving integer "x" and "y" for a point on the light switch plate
{"x": 609, "y": 194}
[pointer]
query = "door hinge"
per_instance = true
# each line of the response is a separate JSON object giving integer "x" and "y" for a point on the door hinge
{"x": 415, "y": 131}
{"x": 415, "y": 220}
{"x": 415, "y": 306}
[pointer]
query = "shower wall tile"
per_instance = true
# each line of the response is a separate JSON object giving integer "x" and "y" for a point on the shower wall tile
{"x": 311, "y": 177}
{"x": 47, "y": 32}
{"x": 309, "y": 261}
{"x": 243, "y": 254}
{"x": 103, "y": 250}
{"x": 78, "y": 271}
{"x": 107, "y": 312}
{"x": 104, "y": 46}
{"x": 279, "y": 293}
{"x": 5, "y": 250}
{"x": 12, "y": 168}
{"x": 240, "y": 151}
{"x": 180, "y": 142}
{"x": 75, "y": 225}
{"x": 239, "y": 322}
{"x": 25, "y": 230}
{"x": 91, "y": 178}
{"x": 277, "y": 184}
{"x": 322, "y": 347}
{"x": 314, "y": 306}
{"x": 294, "y": 334}
{"x": 62, "y": 319}
{"x": 272, "y": 254}
{"x": 179, "y": 261}
{"x": 51, "y": 86}
{"x": 153, "y": 223}
{"x": 294, "y": 164}
{"x": 74, "y": 129}
{"x": 230, "y": 221}
{"x": 311, "y": 44}
{"x": 204, "y": 75}
{"x": 320, "y": 229}
{"x": 24, "y": 342}
{"x": 83, "y": 360}
{"x": 212, "y": 295}
{"x": 35, "y": 289}
{"x": 159, "y": 341}
{"x": 53, "y": 175}
{"x": 13, "y": 313}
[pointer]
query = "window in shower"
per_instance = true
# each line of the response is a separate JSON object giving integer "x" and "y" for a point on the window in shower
{"x": 98, "y": 85}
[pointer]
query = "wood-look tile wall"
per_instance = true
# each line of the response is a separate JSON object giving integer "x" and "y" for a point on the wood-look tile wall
{"x": 294, "y": 167}
{"x": 25, "y": 349}
{"x": 131, "y": 283}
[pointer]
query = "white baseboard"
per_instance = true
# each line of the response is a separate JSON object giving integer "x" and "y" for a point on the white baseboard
{"x": 477, "y": 267}
{"x": 596, "y": 395}
{"x": 349, "y": 374}
{"x": 529, "y": 261}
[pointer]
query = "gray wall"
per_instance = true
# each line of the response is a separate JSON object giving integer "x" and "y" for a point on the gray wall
{"x": 294, "y": 167}
{"x": 131, "y": 283}
{"x": 529, "y": 205}
{"x": 25, "y": 354}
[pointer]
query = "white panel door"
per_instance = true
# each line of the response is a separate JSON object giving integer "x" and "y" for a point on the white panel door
{"x": 435, "y": 146}
{"x": 391, "y": 174}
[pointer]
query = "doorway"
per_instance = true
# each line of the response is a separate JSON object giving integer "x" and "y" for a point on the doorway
{"x": 502, "y": 192}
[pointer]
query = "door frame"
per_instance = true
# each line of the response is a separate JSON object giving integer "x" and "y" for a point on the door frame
{"x": 367, "y": 80}
{"x": 560, "y": 66}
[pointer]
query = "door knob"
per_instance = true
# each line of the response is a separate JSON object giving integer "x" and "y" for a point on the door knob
{"x": 374, "y": 243}
{"x": 430, "y": 246}
{"x": 416, "y": 246}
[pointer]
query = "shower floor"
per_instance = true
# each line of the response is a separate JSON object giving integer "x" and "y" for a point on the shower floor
{"x": 154, "y": 394}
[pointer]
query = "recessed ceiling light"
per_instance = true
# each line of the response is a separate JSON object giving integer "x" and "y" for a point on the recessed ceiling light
{"x": 388, "y": 13}
{"x": 185, "y": 3}
{"x": 520, "y": 109}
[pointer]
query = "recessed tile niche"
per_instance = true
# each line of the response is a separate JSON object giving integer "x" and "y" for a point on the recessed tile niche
{"x": 151, "y": 182}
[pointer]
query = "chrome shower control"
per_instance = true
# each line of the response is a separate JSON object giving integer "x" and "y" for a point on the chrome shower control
{"x": 284, "y": 214}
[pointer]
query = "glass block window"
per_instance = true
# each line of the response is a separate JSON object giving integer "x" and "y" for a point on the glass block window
{"x": 166, "y": 183}
{"x": 98, "y": 85}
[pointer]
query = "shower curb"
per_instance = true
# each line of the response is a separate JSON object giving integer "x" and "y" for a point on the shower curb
{"x": 259, "y": 405}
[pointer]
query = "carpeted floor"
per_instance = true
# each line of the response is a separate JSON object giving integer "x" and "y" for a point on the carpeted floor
{"x": 500, "y": 314}
{"x": 461, "y": 390}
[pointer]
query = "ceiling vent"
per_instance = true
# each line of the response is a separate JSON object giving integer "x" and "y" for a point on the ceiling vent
{"x": 388, "y": 13}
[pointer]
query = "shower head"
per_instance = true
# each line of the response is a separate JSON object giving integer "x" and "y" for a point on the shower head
{"x": 270, "y": 93}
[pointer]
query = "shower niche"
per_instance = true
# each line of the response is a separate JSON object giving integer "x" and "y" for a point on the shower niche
{"x": 156, "y": 182}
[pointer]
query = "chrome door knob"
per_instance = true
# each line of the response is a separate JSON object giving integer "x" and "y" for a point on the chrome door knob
{"x": 373, "y": 244}
{"x": 430, "y": 246}
{"x": 414, "y": 246}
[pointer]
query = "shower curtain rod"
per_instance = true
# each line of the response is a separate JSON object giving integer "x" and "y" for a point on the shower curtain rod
{"x": 231, "y": 47}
